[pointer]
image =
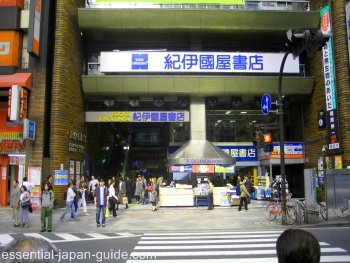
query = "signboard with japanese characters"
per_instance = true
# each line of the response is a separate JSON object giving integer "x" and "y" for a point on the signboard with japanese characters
{"x": 333, "y": 136}
{"x": 199, "y": 62}
{"x": 137, "y": 116}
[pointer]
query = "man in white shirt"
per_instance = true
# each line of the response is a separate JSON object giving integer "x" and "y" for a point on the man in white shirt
{"x": 28, "y": 185}
{"x": 92, "y": 185}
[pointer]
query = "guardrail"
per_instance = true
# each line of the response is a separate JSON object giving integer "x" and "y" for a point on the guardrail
{"x": 278, "y": 5}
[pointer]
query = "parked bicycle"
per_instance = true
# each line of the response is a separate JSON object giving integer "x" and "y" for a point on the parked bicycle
{"x": 322, "y": 209}
{"x": 342, "y": 210}
{"x": 274, "y": 210}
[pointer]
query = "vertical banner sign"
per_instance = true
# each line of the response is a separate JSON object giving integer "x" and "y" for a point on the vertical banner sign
{"x": 34, "y": 27}
{"x": 347, "y": 13}
{"x": 333, "y": 137}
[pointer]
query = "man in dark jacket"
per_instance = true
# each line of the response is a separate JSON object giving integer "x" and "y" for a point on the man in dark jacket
{"x": 248, "y": 186}
{"x": 101, "y": 202}
{"x": 128, "y": 185}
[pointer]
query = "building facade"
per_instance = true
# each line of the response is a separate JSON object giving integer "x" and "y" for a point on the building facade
{"x": 64, "y": 81}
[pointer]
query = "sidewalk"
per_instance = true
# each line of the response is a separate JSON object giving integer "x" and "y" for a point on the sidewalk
{"x": 140, "y": 218}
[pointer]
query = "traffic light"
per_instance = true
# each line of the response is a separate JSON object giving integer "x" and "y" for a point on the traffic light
{"x": 258, "y": 140}
{"x": 309, "y": 39}
{"x": 268, "y": 145}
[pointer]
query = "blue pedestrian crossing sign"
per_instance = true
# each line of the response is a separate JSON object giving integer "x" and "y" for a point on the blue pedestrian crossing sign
{"x": 266, "y": 104}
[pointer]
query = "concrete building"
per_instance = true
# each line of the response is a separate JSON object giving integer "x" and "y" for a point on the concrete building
{"x": 85, "y": 86}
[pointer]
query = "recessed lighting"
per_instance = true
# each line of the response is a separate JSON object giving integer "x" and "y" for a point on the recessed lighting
{"x": 228, "y": 112}
{"x": 219, "y": 121}
{"x": 243, "y": 112}
{"x": 254, "y": 121}
{"x": 232, "y": 121}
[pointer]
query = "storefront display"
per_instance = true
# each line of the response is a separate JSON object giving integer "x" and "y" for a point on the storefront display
{"x": 170, "y": 196}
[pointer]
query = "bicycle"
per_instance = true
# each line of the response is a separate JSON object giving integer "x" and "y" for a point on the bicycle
{"x": 322, "y": 209}
{"x": 343, "y": 210}
{"x": 274, "y": 209}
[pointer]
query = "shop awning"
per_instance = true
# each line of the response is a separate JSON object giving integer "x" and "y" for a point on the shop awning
{"x": 200, "y": 152}
{"x": 21, "y": 79}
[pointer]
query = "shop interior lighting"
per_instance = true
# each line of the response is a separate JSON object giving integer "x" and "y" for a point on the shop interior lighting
{"x": 109, "y": 101}
{"x": 236, "y": 101}
{"x": 228, "y": 112}
{"x": 183, "y": 101}
{"x": 134, "y": 101}
{"x": 158, "y": 101}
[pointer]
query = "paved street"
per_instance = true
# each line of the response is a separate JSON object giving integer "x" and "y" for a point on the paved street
{"x": 140, "y": 218}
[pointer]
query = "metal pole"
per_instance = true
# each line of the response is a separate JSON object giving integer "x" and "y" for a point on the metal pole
{"x": 280, "y": 113}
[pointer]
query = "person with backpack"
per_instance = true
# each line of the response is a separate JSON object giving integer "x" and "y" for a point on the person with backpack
{"x": 46, "y": 202}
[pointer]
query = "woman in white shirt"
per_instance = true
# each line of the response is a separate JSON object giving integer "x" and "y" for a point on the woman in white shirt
{"x": 112, "y": 198}
{"x": 70, "y": 203}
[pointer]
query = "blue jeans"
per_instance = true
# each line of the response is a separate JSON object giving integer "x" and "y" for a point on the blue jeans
{"x": 142, "y": 196}
{"x": 69, "y": 205}
{"x": 99, "y": 210}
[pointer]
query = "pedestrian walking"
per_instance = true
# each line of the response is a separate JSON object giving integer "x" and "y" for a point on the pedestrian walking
{"x": 138, "y": 186}
{"x": 210, "y": 190}
{"x": 82, "y": 201}
{"x": 23, "y": 208}
{"x": 129, "y": 185}
{"x": 101, "y": 202}
{"x": 70, "y": 204}
{"x": 143, "y": 190}
{"x": 113, "y": 199}
{"x": 46, "y": 201}
{"x": 76, "y": 197}
{"x": 243, "y": 196}
{"x": 14, "y": 200}
{"x": 154, "y": 193}
{"x": 121, "y": 193}
{"x": 248, "y": 185}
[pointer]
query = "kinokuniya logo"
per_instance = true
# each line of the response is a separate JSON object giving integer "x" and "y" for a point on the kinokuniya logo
{"x": 139, "y": 61}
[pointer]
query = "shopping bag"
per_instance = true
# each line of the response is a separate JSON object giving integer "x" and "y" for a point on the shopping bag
{"x": 125, "y": 200}
{"x": 107, "y": 213}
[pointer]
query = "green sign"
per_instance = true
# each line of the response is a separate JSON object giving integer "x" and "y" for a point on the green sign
{"x": 214, "y": 2}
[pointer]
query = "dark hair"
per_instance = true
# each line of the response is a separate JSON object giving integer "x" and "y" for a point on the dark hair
{"x": 297, "y": 246}
{"x": 24, "y": 187}
{"x": 49, "y": 176}
{"x": 16, "y": 181}
{"x": 25, "y": 179}
{"x": 43, "y": 186}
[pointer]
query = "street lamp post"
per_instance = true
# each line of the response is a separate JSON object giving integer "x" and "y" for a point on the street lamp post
{"x": 280, "y": 113}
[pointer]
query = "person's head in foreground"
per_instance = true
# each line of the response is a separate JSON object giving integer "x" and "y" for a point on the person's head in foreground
{"x": 30, "y": 250}
{"x": 297, "y": 246}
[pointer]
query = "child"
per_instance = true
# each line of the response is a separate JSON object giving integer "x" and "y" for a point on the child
{"x": 46, "y": 204}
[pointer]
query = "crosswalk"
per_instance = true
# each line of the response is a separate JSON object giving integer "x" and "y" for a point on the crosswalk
{"x": 64, "y": 237}
{"x": 238, "y": 247}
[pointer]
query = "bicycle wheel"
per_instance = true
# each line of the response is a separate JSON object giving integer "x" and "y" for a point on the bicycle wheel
{"x": 271, "y": 212}
{"x": 323, "y": 211}
{"x": 342, "y": 211}
{"x": 291, "y": 215}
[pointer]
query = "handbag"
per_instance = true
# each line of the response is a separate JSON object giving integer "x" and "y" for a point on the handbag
{"x": 125, "y": 200}
{"x": 149, "y": 188}
{"x": 107, "y": 213}
{"x": 26, "y": 204}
